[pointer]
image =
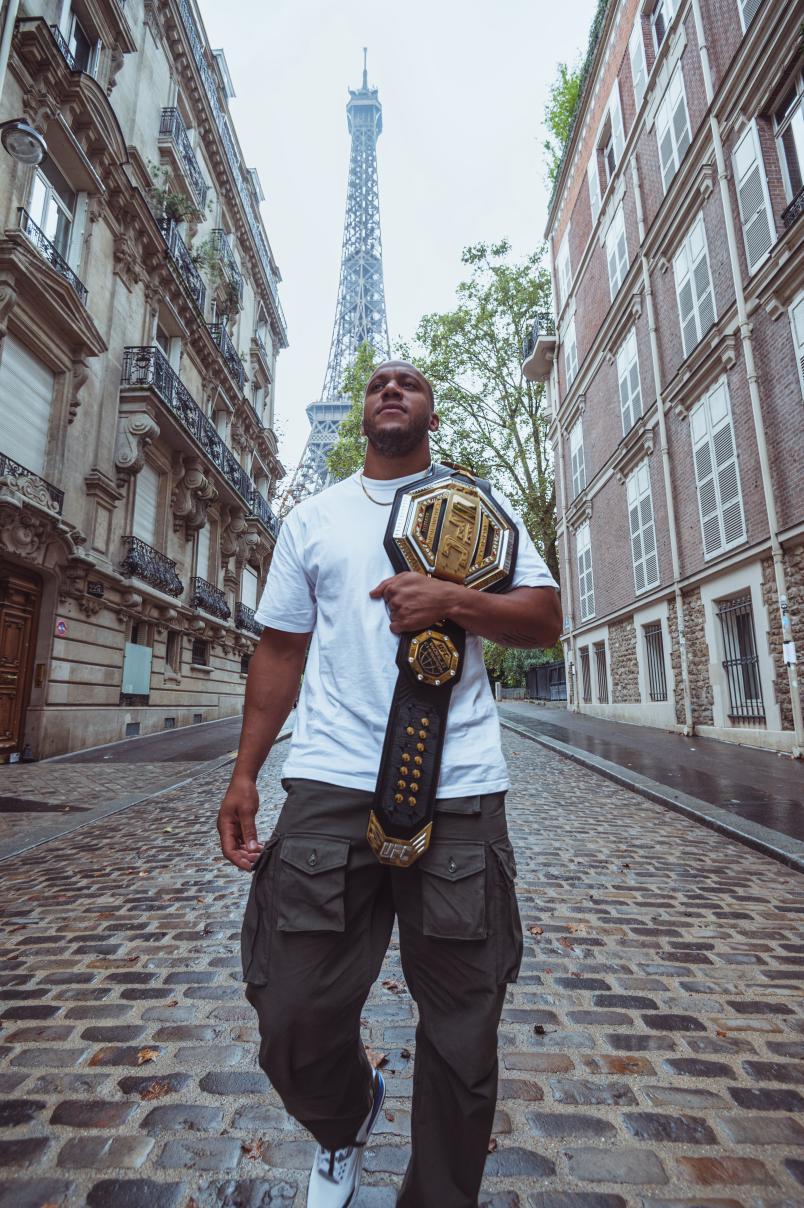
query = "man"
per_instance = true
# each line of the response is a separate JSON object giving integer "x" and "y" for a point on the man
{"x": 321, "y": 907}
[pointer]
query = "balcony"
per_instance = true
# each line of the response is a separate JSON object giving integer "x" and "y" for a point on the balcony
{"x": 144, "y": 562}
{"x": 173, "y": 137}
{"x": 244, "y": 619}
{"x": 181, "y": 257}
{"x": 54, "y": 258}
{"x": 229, "y": 353}
{"x": 794, "y": 210}
{"x": 67, "y": 54}
{"x": 229, "y": 267}
{"x": 31, "y": 486}
{"x": 211, "y": 599}
{"x": 258, "y": 348}
{"x": 538, "y": 347}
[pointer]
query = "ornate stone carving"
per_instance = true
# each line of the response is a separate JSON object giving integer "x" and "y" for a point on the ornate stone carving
{"x": 115, "y": 63}
{"x": 127, "y": 261}
{"x": 8, "y": 300}
{"x": 135, "y": 431}
{"x": 192, "y": 496}
{"x": 234, "y": 527}
{"x": 79, "y": 377}
{"x": 22, "y": 532}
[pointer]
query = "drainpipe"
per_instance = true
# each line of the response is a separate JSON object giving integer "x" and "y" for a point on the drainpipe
{"x": 5, "y": 39}
{"x": 753, "y": 381}
{"x": 689, "y": 725}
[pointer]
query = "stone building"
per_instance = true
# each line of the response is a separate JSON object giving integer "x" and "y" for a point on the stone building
{"x": 140, "y": 324}
{"x": 675, "y": 369}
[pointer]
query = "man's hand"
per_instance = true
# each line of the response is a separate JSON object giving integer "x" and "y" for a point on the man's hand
{"x": 414, "y": 601}
{"x": 237, "y": 824}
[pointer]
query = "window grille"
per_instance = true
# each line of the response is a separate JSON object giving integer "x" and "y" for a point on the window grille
{"x": 586, "y": 677}
{"x": 741, "y": 664}
{"x": 245, "y": 659}
{"x": 200, "y": 652}
{"x": 654, "y": 649}
{"x": 601, "y": 672}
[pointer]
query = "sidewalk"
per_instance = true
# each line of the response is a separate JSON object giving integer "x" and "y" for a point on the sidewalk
{"x": 754, "y": 796}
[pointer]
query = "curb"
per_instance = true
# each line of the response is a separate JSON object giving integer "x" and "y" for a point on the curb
{"x": 124, "y": 803}
{"x": 751, "y": 834}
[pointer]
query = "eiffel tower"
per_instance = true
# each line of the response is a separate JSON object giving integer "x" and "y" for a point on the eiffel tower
{"x": 360, "y": 311}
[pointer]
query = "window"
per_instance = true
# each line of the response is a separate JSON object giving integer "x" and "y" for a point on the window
{"x": 756, "y": 216}
{"x": 564, "y": 270}
{"x": 53, "y": 206}
{"x": 245, "y": 659}
{"x": 173, "y": 651}
{"x": 636, "y": 53}
{"x": 643, "y": 532}
{"x": 586, "y": 678}
{"x": 672, "y": 127}
{"x": 249, "y": 587}
{"x": 609, "y": 159}
{"x": 696, "y": 300}
{"x": 654, "y": 651}
{"x": 616, "y": 119}
{"x": 576, "y": 458}
{"x": 202, "y": 552}
{"x": 740, "y": 661}
{"x": 628, "y": 377}
{"x": 26, "y": 399}
{"x": 719, "y": 497}
{"x": 199, "y": 656}
{"x": 585, "y": 582}
{"x": 797, "y": 324}
{"x": 601, "y": 673}
{"x": 616, "y": 252}
{"x": 85, "y": 50}
{"x": 570, "y": 352}
{"x": 788, "y": 121}
{"x": 593, "y": 180}
{"x": 748, "y": 10}
{"x": 146, "y": 504}
{"x": 660, "y": 19}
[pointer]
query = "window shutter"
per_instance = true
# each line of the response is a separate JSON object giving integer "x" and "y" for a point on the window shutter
{"x": 616, "y": 114}
{"x": 628, "y": 377}
{"x": 577, "y": 461}
{"x": 585, "y": 581}
{"x": 26, "y": 398}
{"x": 664, "y": 138}
{"x": 146, "y": 504}
{"x": 593, "y": 179}
{"x": 797, "y": 324}
{"x": 757, "y": 221}
{"x": 681, "y": 124}
{"x": 705, "y": 477}
{"x": 570, "y": 353}
{"x": 639, "y": 67}
{"x": 696, "y": 301}
{"x": 564, "y": 270}
{"x": 616, "y": 252}
{"x": 202, "y": 554}
{"x": 749, "y": 9}
{"x": 249, "y": 587}
{"x": 643, "y": 533}
{"x": 719, "y": 495}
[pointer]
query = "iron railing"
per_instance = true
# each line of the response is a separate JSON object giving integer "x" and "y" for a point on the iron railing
{"x": 602, "y": 673}
{"x": 61, "y": 42}
{"x": 794, "y": 210}
{"x": 182, "y": 258}
{"x": 262, "y": 510}
{"x": 231, "y": 269}
{"x": 228, "y": 351}
{"x": 654, "y": 648}
{"x": 144, "y": 562}
{"x": 209, "y": 597}
{"x": 13, "y": 469}
{"x": 741, "y": 664}
{"x": 244, "y": 618}
{"x": 171, "y": 126}
{"x": 263, "y": 351}
{"x": 586, "y": 676}
{"x": 543, "y": 325}
{"x": 54, "y": 258}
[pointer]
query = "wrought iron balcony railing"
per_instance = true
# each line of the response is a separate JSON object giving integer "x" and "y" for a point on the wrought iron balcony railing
{"x": 262, "y": 350}
{"x": 228, "y": 351}
{"x": 144, "y": 562}
{"x": 262, "y": 509}
{"x": 543, "y": 325}
{"x": 244, "y": 619}
{"x": 60, "y": 41}
{"x": 171, "y": 126}
{"x": 794, "y": 210}
{"x": 231, "y": 268}
{"x": 40, "y": 489}
{"x": 54, "y": 258}
{"x": 180, "y": 254}
{"x": 209, "y": 597}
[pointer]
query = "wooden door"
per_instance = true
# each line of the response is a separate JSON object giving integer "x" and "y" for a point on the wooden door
{"x": 19, "y": 608}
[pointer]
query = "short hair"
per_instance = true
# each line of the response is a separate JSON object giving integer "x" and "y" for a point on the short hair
{"x": 418, "y": 372}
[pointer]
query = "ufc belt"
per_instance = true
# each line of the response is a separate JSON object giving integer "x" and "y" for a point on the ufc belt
{"x": 445, "y": 526}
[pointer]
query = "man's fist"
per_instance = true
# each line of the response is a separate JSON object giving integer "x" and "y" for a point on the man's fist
{"x": 414, "y": 601}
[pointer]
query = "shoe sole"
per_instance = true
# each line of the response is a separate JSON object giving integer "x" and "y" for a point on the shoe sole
{"x": 353, "y": 1197}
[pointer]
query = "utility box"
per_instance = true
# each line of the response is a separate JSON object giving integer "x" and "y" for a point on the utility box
{"x": 137, "y": 670}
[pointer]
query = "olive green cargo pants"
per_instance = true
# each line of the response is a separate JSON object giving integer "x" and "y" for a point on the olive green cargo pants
{"x": 317, "y": 925}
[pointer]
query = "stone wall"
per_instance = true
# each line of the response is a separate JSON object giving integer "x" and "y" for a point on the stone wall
{"x": 697, "y": 659}
{"x": 675, "y": 661}
{"x": 794, "y": 570}
{"x": 624, "y": 665}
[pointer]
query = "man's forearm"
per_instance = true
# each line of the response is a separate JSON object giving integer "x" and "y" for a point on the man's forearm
{"x": 273, "y": 682}
{"x": 525, "y": 617}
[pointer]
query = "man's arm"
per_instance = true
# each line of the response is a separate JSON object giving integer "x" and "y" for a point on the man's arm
{"x": 273, "y": 681}
{"x": 524, "y": 617}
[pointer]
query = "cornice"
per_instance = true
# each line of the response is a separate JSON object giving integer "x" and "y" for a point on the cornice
{"x": 714, "y": 356}
{"x": 638, "y": 444}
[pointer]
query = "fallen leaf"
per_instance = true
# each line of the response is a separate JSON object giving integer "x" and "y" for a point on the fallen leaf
{"x": 378, "y": 1060}
{"x": 192, "y": 1203}
{"x": 492, "y": 1145}
{"x": 146, "y": 1055}
{"x": 156, "y": 1090}
{"x": 173, "y": 1002}
{"x": 389, "y": 1115}
{"x": 548, "y": 970}
{"x": 535, "y": 930}
{"x": 538, "y": 1028}
{"x": 394, "y": 986}
{"x": 626, "y": 865}
{"x": 720, "y": 1032}
{"x": 405, "y": 1054}
{"x": 253, "y": 1149}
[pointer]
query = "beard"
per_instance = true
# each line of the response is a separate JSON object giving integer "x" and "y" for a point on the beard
{"x": 397, "y": 442}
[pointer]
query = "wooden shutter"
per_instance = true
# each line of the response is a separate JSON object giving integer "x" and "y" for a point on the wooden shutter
{"x": 570, "y": 353}
{"x": 202, "y": 554}
{"x": 639, "y": 67}
{"x": 585, "y": 580}
{"x": 26, "y": 399}
{"x": 249, "y": 587}
{"x": 752, "y": 194}
{"x": 748, "y": 10}
{"x": 577, "y": 462}
{"x": 678, "y": 108}
{"x": 564, "y": 270}
{"x": 643, "y": 533}
{"x": 616, "y": 252}
{"x": 797, "y": 324}
{"x": 714, "y": 455}
{"x": 696, "y": 302}
{"x": 593, "y": 179}
{"x": 664, "y": 137}
{"x": 146, "y": 504}
{"x": 628, "y": 377}
{"x": 616, "y": 115}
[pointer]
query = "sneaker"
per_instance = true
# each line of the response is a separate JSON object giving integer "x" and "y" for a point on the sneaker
{"x": 335, "y": 1177}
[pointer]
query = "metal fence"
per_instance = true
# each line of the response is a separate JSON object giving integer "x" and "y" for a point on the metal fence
{"x": 654, "y": 647}
{"x": 602, "y": 673}
{"x": 741, "y": 664}
{"x": 586, "y": 677}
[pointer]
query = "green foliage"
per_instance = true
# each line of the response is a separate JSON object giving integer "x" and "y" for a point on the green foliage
{"x": 510, "y": 666}
{"x": 348, "y": 452}
{"x": 169, "y": 202}
{"x": 492, "y": 419}
{"x": 558, "y": 116}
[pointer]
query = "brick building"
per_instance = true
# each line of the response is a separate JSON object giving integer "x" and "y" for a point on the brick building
{"x": 139, "y": 328}
{"x": 675, "y": 369}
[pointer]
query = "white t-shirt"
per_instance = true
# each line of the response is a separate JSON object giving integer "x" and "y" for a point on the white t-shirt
{"x": 328, "y": 557}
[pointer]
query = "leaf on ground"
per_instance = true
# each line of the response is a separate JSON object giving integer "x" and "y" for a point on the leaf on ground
{"x": 626, "y": 865}
{"x": 536, "y": 930}
{"x": 405, "y": 1054}
{"x": 538, "y": 1029}
{"x": 253, "y": 1149}
{"x": 96, "y": 1058}
{"x": 575, "y": 927}
{"x": 146, "y": 1055}
{"x": 377, "y": 1059}
{"x": 192, "y": 1203}
{"x": 389, "y": 1115}
{"x": 492, "y": 1145}
{"x": 173, "y": 1002}
{"x": 156, "y": 1090}
{"x": 567, "y": 941}
{"x": 721, "y": 1032}
{"x": 394, "y": 986}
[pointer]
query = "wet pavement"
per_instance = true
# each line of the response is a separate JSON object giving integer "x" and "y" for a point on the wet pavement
{"x": 652, "y": 1053}
{"x": 759, "y": 786}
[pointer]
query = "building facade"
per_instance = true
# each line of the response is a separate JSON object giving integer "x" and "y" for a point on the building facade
{"x": 675, "y": 365}
{"x": 140, "y": 324}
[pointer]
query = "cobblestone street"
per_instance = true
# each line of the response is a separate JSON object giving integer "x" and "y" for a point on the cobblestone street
{"x": 652, "y": 1053}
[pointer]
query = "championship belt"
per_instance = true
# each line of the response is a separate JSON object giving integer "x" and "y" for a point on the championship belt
{"x": 445, "y": 526}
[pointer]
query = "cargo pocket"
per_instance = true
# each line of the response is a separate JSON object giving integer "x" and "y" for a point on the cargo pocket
{"x": 256, "y": 930}
{"x": 454, "y": 891}
{"x": 507, "y": 923}
{"x": 312, "y": 882}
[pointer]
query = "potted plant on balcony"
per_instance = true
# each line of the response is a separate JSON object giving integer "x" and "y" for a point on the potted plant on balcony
{"x": 171, "y": 203}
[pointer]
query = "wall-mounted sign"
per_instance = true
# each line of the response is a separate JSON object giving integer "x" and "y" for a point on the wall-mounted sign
{"x": 61, "y": 627}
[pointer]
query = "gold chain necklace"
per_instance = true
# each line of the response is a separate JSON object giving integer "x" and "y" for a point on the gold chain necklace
{"x": 381, "y": 502}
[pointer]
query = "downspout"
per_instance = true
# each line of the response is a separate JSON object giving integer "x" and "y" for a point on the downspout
{"x": 689, "y": 725}
{"x": 753, "y": 382}
{"x": 5, "y": 39}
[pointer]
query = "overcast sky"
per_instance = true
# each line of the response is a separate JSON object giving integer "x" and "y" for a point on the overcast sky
{"x": 463, "y": 86}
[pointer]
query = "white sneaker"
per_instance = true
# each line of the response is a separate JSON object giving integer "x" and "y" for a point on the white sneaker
{"x": 335, "y": 1177}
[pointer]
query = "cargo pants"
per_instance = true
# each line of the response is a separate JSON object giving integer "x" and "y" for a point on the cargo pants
{"x": 317, "y": 925}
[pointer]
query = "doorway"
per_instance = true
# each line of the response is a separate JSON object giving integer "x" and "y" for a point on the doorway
{"x": 20, "y": 596}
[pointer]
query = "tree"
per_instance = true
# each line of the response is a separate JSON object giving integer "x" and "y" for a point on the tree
{"x": 348, "y": 452}
{"x": 559, "y": 114}
{"x": 509, "y": 665}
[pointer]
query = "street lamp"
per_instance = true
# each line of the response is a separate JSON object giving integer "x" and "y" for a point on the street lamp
{"x": 23, "y": 142}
